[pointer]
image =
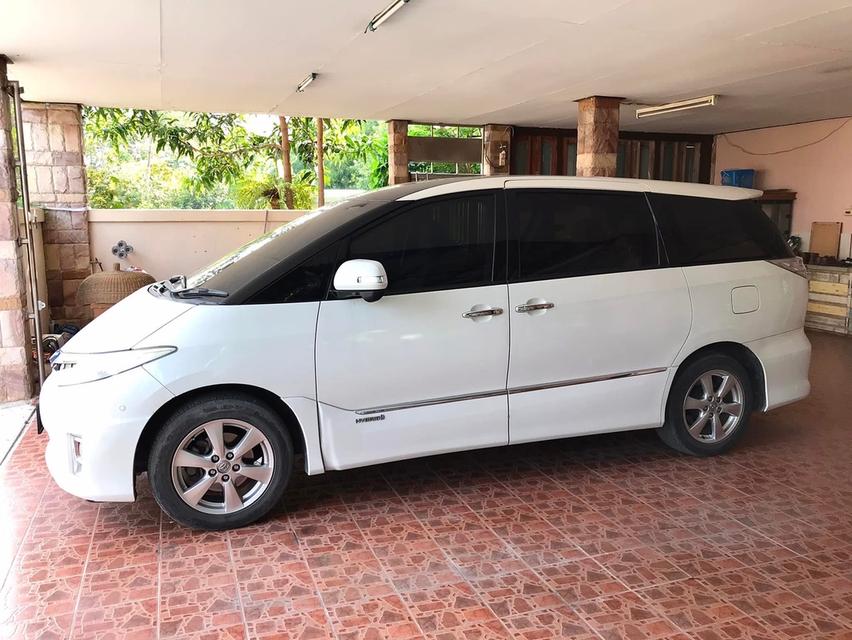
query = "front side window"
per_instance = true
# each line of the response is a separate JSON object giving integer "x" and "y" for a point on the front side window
{"x": 561, "y": 234}
{"x": 307, "y": 282}
{"x": 706, "y": 230}
{"x": 441, "y": 244}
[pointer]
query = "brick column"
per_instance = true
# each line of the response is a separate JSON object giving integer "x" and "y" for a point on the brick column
{"x": 397, "y": 151}
{"x": 597, "y": 136}
{"x": 14, "y": 333}
{"x": 53, "y": 134}
{"x": 496, "y": 141}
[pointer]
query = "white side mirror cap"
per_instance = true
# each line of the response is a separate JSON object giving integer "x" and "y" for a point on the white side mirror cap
{"x": 361, "y": 275}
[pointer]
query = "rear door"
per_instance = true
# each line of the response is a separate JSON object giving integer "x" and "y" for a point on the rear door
{"x": 596, "y": 319}
{"x": 423, "y": 370}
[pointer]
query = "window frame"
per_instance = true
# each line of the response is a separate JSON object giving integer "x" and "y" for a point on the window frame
{"x": 513, "y": 237}
{"x": 499, "y": 248}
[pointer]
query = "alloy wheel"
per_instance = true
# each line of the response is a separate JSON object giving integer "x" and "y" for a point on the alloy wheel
{"x": 713, "y": 407}
{"x": 222, "y": 466}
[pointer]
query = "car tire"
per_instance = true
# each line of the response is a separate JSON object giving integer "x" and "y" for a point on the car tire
{"x": 708, "y": 406}
{"x": 220, "y": 462}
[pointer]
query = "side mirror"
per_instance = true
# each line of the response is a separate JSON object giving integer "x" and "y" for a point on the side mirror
{"x": 367, "y": 278}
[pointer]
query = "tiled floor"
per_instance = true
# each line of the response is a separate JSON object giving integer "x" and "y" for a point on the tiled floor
{"x": 604, "y": 537}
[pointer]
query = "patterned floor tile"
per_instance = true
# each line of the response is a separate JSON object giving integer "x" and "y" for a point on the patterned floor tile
{"x": 581, "y": 580}
{"x": 626, "y": 616}
{"x": 589, "y": 538}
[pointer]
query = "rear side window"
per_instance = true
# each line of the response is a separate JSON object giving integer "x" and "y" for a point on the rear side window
{"x": 706, "y": 230}
{"x": 560, "y": 234}
{"x": 442, "y": 244}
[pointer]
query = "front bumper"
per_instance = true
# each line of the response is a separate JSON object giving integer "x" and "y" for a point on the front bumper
{"x": 107, "y": 418}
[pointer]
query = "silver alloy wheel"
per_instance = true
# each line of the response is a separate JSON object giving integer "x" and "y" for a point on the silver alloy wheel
{"x": 713, "y": 406}
{"x": 222, "y": 466}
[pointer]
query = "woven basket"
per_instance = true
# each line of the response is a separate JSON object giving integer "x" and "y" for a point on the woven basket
{"x": 108, "y": 287}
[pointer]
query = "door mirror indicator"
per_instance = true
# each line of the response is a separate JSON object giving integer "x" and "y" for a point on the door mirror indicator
{"x": 367, "y": 278}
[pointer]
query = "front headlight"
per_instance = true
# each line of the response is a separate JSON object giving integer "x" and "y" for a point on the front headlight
{"x": 77, "y": 368}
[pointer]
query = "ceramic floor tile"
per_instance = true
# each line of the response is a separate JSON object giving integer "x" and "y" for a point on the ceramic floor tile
{"x": 599, "y": 537}
{"x": 626, "y": 616}
{"x": 580, "y": 580}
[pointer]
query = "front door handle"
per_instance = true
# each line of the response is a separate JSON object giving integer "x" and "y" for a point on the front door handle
{"x": 535, "y": 306}
{"x": 481, "y": 313}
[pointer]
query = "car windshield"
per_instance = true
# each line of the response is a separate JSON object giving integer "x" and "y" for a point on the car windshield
{"x": 198, "y": 279}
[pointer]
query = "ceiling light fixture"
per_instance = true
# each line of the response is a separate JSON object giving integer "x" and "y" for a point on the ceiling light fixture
{"x": 380, "y": 18}
{"x": 672, "y": 107}
{"x": 304, "y": 83}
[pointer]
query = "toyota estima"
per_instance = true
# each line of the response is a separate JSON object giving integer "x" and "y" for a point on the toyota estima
{"x": 428, "y": 318}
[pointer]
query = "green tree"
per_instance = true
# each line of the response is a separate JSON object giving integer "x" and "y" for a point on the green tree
{"x": 214, "y": 155}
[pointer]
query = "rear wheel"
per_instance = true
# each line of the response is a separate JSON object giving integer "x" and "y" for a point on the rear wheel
{"x": 220, "y": 462}
{"x": 708, "y": 406}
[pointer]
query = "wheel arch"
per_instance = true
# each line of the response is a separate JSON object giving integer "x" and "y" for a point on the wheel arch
{"x": 742, "y": 354}
{"x": 277, "y": 404}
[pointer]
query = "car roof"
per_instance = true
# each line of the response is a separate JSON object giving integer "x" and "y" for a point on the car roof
{"x": 431, "y": 188}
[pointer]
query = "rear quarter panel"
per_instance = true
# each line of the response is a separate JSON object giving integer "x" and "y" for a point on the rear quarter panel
{"x": 782, "y": 301}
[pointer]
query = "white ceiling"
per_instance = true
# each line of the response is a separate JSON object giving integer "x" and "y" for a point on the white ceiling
{"x": 521, "y": 62}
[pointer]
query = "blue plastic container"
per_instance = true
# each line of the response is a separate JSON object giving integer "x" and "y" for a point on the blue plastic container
{"x": 738, "y": 178}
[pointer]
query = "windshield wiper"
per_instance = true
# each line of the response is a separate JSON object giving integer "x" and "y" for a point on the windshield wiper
{"x": 175, "y": 283}
{"x": 200, "y": 292}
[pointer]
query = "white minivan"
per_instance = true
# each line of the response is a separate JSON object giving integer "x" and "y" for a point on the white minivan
{"x": 433, "y": 317}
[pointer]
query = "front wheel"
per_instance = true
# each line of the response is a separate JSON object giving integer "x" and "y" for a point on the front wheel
{"x": 708, "y": 406}
{"x": 220, "y": 462}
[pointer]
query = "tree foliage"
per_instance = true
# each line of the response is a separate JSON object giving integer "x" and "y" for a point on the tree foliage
{"x": 220, "y": 154}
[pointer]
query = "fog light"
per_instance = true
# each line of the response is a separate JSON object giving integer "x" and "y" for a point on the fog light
{"x": 76, "y": 446}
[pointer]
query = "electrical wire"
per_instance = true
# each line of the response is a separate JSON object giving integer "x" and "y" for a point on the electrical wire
{"x": 780, "y": 151}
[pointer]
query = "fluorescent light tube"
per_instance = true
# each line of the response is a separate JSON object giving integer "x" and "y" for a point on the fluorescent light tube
{"x": 304, "y": 83}
{"x": 382, "y": 16}
{"x": 672, "y": 107}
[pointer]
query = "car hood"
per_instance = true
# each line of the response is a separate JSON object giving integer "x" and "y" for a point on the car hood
{"x": 126, "y": 324}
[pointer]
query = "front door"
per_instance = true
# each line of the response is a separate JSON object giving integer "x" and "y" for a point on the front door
{"x": 596, "y": 323}
{"x": 423, "y": 370}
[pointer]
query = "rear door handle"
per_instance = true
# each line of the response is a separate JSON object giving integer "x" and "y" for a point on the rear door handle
{"x": 535, "y": 306}
{"x": 481, "y": 313}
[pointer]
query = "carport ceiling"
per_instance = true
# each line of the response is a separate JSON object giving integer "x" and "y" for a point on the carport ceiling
{"x": 460, "y": 61}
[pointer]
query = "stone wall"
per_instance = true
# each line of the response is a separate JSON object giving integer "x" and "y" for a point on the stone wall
{"x": 398, "y": 151}
{"x": 14, "y": 341}
{"x": 53, "y": 135}
{"x": 597, "y": 136}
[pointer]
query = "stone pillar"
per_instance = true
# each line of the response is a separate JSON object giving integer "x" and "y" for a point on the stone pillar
{"x": 597, "y": 136}
{"x": 397, "y": 151}
{"x": 14, "y": 334}
{"x": 496, "y": 142}
{"x": 53, "y": 134}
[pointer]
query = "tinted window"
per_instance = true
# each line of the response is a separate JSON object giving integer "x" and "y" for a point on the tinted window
{"x": 560, "y": 234}
{"x": 306, "y": 283}
{"x": 442, "y": 244}
{"x": 705, "y": 230}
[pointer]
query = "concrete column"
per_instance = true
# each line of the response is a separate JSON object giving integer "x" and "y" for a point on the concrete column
{"x": 53, "y": 134}
{"x": 397, "y": 151}
{"x": 496, "y": 142}
{"x": 597, "y": 136}
{"x": 15, "y": 381}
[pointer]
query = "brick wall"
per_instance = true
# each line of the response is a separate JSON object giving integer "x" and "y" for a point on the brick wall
{"x": 53, "y": 134}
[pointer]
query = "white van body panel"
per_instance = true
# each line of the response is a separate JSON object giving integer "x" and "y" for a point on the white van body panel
{"x": 608, "y": 337}
{"x": 126, "y": 323}
{"x": 388, "y": 372}
{"x": 782, "y": 303}
{"x": 267, "y": 346}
